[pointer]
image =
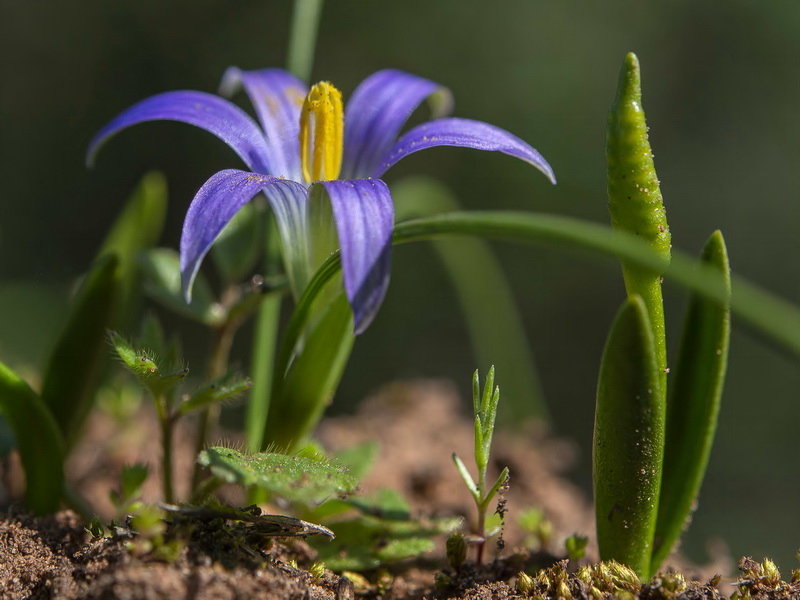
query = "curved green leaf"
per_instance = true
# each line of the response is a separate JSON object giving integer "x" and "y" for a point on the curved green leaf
{"x": 138, "y": 227}
{"x": 769, "y": 314}
{"x": 773, "y": 316}
{"x": 310, "y": 382}
{"x": 38, "y": 440}
{"x": 74, "y": 365}
{"x": 694, "y": 400}
{"x": 628, "y": 440}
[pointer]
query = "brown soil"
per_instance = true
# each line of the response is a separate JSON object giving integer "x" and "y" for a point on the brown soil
{"x": 419, "y": 427}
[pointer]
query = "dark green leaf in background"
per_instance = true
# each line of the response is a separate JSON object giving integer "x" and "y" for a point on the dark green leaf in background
{"x": 73, "y": 370}
{"x": 38, "y": 439}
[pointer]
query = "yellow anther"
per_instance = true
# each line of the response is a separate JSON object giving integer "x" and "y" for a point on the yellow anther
{"x": 322, "y": 133}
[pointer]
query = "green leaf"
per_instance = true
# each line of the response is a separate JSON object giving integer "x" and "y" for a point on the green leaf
{"x": 133, "y": 478}
{"x": 368, "y": 542}
{"x": 215, "y": 392}
{"x": 73, "y": 369}
{"x": 308, "y": 386}
{"x": 693, "y": 406}
{"x": 466, "y": 477}
{"x": 628, "y": 441}
{"x": 38, "y": 439}
{"x": 385, "y": 503}
{"x": 238, "y": 247}
{"x": 303, "y": 479}
{"x": 138, "y": 227}
{"x": 161, "y": 268}
{"x": 491, "y": 314}
{"x": 773, "y": 316}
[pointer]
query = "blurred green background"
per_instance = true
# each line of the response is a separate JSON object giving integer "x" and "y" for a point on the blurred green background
{"x": 721, "y": 90}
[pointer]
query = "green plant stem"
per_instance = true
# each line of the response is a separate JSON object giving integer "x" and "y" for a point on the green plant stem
{"x": 262, "y": 365}
{"x": 303, "y": 37}
{"x": 165, "y": 422}
{"x": 217, "y": 366}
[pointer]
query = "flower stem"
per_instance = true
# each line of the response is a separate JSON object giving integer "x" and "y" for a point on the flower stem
{"x": 262, "y": 365}
{"x": 217, "y": 365}
{"x": 165, "y": 421}
{"x": 303, "y": 37}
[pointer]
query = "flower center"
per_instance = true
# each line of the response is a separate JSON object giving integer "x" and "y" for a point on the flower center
{"x": 321, "y": 133}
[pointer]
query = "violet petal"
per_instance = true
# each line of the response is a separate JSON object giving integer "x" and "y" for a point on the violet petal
{"x": 216, "y": 115}
{"x": 277, "y": 96}
{"x": 467, "y": 133}
{"x": 376, "y": 112}
{"x": 364, "y": 216}
{"x": 221, "y": 197}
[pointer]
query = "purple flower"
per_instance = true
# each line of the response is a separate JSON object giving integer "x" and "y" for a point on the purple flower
{"x": 318, "y": 165}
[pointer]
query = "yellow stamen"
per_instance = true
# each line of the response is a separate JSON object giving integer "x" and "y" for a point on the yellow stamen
{"x": 322, "y": 133}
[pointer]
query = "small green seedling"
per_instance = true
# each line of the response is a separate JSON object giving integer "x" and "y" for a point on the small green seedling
{"x": 575, "y": 545}
{"x": 485, "y": 407}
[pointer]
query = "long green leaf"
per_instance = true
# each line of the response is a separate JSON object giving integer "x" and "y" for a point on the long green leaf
{"x": 773, "y": 316}
{"x": 308, "y": 386}
{"x": 628, "y": 440}
{"x": 38, "y": 440}
{"x": 137, "y": 228}
{"x": 769, "y": 314}
{"x": 74, "y": 366}
{"x": 694, "y": 400}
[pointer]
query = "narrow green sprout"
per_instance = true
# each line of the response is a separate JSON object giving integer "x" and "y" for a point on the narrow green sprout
{"x": 485, "y": 408}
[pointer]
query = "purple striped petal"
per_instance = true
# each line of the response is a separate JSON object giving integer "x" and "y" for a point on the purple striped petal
{"x": 462, "y": 132}
{"x": 377, "y": 111}
{"x": 221, "y": 197}
{"x": 277, "y": 96}
{"x": 364, "y": 217}
{"x": 225, "y": 120}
